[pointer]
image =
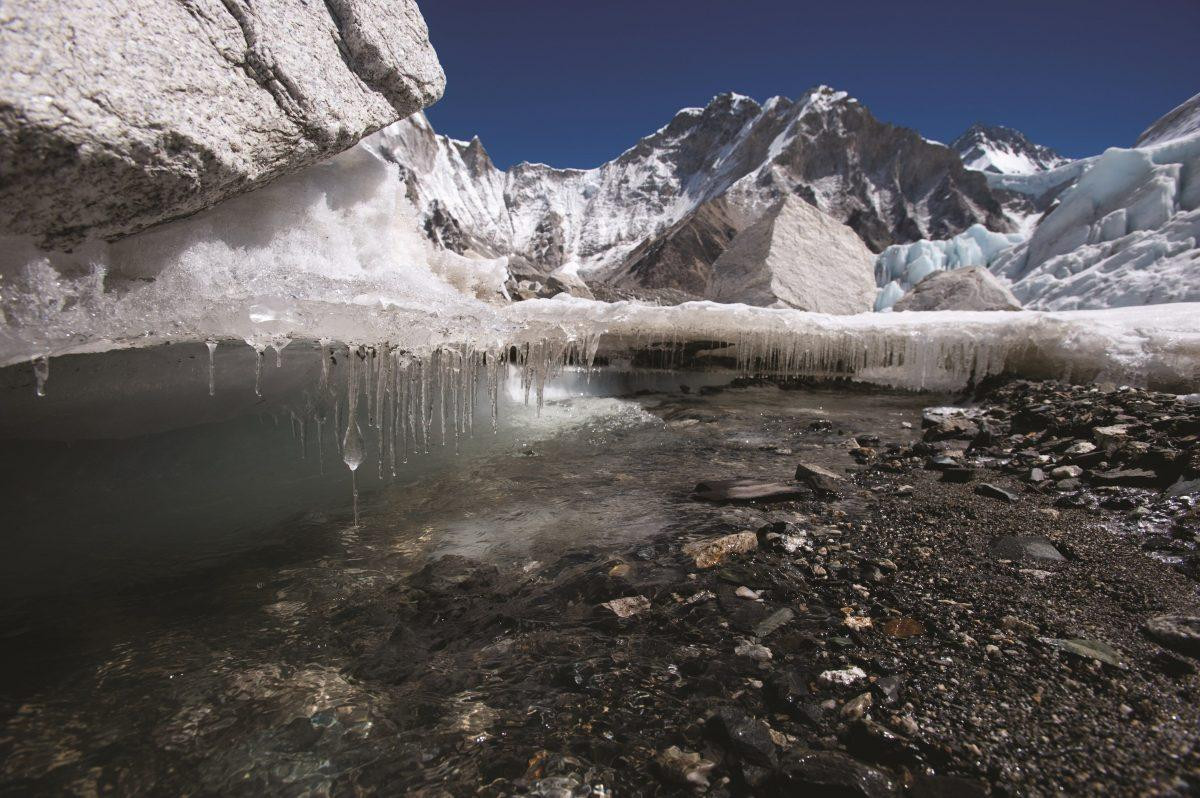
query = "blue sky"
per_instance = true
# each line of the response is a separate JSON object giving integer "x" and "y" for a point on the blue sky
{"x": 576, "y": 82}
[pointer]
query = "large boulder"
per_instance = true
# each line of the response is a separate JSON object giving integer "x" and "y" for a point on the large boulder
{"x": 117, "y": 116}
{"x": 959, "y": 289}
{"x": 796, "y": 256}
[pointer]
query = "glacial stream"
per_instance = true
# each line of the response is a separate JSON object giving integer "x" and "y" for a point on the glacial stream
{"x": 179, "y": 569}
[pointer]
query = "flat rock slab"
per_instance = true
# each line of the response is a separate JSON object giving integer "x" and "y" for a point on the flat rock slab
{"x": 1130, "y": 477}
{"x": 818, "y": 478}
{"x": 995, "y": 492}
{"x": 748, "y": 490}
{"x": 1024, "y": 547}
{"x": 1086, "y": 649}
{"x": 1180, "y": 632}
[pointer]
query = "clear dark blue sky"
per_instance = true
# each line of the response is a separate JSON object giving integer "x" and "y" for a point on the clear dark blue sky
{"x": 576, "y": 82}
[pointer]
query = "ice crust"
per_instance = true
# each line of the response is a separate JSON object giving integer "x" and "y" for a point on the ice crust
{"x": 334, "y": 255}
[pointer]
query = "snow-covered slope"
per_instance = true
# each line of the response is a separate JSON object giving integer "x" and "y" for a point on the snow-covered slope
{"x": 620, "y": 221}
{"x": 1002, "y": 150}
{"x": 1183, "y": 120}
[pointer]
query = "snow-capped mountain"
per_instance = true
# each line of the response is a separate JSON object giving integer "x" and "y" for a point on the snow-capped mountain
{"x": 661, "y": 213}
{"x": 1002, "y": 150}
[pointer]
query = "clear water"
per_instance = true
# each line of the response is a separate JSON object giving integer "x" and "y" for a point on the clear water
{"x": 170, "y": 620}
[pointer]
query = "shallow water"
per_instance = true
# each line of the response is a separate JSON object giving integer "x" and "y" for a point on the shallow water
{"x": 214, "y": 659}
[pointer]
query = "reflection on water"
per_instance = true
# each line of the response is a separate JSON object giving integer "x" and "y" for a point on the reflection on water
{"x": 221, "y": 666}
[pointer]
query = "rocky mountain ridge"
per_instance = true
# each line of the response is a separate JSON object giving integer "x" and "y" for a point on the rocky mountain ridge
{"x": 660, "y": 214}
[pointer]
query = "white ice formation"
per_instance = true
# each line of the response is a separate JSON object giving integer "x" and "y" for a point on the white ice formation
{"x": 901, "y": 266}
{"x": 1122, "y": 230}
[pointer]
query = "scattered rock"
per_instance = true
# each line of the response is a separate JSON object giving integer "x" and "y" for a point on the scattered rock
{"x": 627, "y": 607}
{"x": 708, "y": 553}
{"x": 842, "y": 678}
{"x": 856, "y": 707}
{"x": 856, "y": 623}
{"x": 773, "y": 622}
{"x": 754, "y": 651}
{"x": 683, "y": 767}
{"x": 1066, "y": 472}
{"x": 903, "y": 627}
{"x": 1022, "y": 547}
{"x": 747, "y": 593}
{"x": 746, "y": 736}
{"x": 890, "y": 688}
{"x": 805, "y": 772}
{"x": 1180, "y": 632}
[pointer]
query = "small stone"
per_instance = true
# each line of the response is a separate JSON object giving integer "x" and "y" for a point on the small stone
{"x": 747, "y": 593}
{"x": 621, "y": 571}
{"x": 627, "y": 607}
{"x": 773, "y": 622}
{"x": 890, "y": 688}
{"x": 749, "y": 737}
{"x": 856, "y": 707}
{"x": 905, "y": 490}
{"x": 856, "y": 623}
{"x": 708, "y": 553}
{"x": 1014, "y": 624}
{"x": 1037, "y": 475}
{"x": 1081, "y": 447}
{"x": 1066, "y": 472}
{"x": 683, "y": 767}
{"x": 1180, "y": 632}
{"x": 903, "y": 628}
{"x": 754, "y": 651}
{"x": 842, "y": 678}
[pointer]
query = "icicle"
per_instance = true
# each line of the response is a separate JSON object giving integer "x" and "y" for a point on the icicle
{"x": 493, "y": 388}
{"x": 258, "y": 364}
{"x": 352, "y": 443}
{"x": 323, "y": 346}
{"x": 279, "y": 343}
{"x": 211, "y": 343}
{"x": 41, "y": 373}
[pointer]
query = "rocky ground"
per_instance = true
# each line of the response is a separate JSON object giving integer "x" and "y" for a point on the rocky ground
{"x": 1008, "y": 607}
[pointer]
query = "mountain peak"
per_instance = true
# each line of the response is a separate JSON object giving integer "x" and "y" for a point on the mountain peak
{"x": 1003, "y": 150}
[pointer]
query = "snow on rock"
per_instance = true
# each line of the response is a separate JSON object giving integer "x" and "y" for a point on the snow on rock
{"x": 1125, "y": 233}
{"x": 796, "y": 256}
{"x": 1002, "y": 150}
{"x": 902, "y": 266}
{"x": 119, "y": 116}
{"x": 972, "y": 288}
